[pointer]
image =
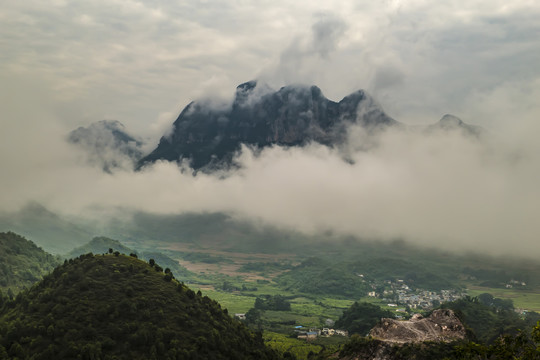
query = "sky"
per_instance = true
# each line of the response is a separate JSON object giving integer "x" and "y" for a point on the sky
{"x": 65, "y": 64}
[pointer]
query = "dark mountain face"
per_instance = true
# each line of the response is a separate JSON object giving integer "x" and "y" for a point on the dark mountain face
{"x": 292, "y": 116}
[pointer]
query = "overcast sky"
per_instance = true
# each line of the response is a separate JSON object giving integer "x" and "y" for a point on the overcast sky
{"x": 65, "y": 63}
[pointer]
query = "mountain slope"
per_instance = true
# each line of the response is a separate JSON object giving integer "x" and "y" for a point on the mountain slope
{"x": 292, "y": 116}
{"x": 22, "y": 263}
{"x": 107, "y": 306}
{"x": 52, "y": 232}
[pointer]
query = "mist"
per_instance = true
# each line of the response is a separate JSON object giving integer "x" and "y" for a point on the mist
{"x": 67, "y": 65}
{"x": 439, "y": 189}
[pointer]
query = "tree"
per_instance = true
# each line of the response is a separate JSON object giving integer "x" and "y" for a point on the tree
{"x": 361, "y": 317}
{"x": 253, "y": 317}
{"x": 152, "y": 262}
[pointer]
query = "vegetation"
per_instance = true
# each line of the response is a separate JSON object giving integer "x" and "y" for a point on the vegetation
{"x": 99, "y": 245}
{"x": 22, "y": 263}
{"x": 414, "y": 274}
{"x": 317, "y": 276}
{"x": 119, "y": 307}
{"x": 520, "y": 346}
{"x": 489, "y": 318}
{"x": 269, "y": 302}
{"x": 165, "y": 261}
{"x": 361, "y": 317}
{"x": 264, "y": 267}
{"x": 289, "y": 346}
{"x": 206, "y": 258}
{"x": 102, "y": 244}
{"x": 364, "y": 347}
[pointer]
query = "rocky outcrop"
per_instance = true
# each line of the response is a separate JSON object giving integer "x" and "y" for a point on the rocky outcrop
{"x": 420, "y": 338}
{"x": 442, "y": 325}
{"x": 261, "y": 117}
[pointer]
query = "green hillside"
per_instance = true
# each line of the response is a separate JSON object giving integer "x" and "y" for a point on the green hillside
{"x": 22, "y": 263}
{"x": 321, "y": 277}
{"x": 51, "y": 231}
{"x": 120, "y": 307}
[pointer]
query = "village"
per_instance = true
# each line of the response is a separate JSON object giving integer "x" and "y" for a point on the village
{"x": 312, "y": 334}
{"x": 397, "y": 293}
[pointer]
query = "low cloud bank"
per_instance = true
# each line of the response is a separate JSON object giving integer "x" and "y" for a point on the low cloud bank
{"x": 441, "y": 189}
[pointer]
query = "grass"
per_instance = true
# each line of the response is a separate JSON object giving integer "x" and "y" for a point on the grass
{"x": 233, "y": 302}
{"x": 283, "y": 343}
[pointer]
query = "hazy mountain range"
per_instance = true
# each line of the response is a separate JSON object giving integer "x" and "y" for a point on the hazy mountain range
{"x": 208, "y": 136}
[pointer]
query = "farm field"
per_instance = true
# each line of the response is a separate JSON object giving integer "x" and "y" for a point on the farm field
{"x": 522, "y": 299}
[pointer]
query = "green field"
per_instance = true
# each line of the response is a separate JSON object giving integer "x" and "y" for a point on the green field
{"x": 522, "y": 299}
{"x": 233, "y": 302}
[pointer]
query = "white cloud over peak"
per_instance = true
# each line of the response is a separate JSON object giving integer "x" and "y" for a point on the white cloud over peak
{"x": 64, "y": 64}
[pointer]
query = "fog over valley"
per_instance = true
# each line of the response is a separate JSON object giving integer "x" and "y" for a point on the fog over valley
{"x": 419, "y": 62}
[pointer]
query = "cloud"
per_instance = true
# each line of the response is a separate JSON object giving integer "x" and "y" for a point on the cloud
{"x": 442, "y": 189}
{"x": 66, "y": 64}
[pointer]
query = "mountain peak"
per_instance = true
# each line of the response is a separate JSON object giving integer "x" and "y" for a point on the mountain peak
{"x": 450, "y": 120}
{"x": 292, "y": 116}
{"x": 449, "y": 123}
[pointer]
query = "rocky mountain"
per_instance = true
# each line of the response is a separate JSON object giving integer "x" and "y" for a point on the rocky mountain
{"x": 120, "y": 307}
{"x": 107, "y": 144}
{"x": 260, "y": 117}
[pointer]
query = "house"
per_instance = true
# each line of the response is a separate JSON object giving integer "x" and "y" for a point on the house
{"x": 240, "y": 316}
{"x": 372, "y": 294}
{"x": 309, "y": 335}
{"x": 325, "y": 332}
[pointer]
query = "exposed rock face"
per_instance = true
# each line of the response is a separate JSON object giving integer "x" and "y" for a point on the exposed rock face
{"x": 292, "y": 116}
{"x": 442, "y": 325}
{"x": 420, "y": 338}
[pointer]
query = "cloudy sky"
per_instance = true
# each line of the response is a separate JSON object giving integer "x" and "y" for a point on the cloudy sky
{"x": 65, "y": 63}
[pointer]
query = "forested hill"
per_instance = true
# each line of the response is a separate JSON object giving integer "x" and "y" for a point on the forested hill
{"x": 119, "y": 307}
{"x": 22, "y": 263}
{"x": 102, "y": 244}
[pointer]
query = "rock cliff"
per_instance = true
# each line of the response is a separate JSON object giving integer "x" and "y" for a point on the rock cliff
{"x": 441, "y": 325}
{"x": 260, "y": 117}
